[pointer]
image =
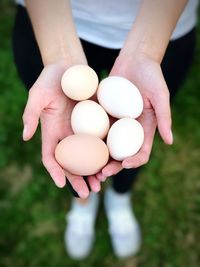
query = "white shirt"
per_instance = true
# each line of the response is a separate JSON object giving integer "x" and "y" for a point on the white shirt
{"x": 107, "y": 22}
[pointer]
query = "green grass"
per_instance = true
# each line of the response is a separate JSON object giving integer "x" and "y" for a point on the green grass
{"x": 166, "y": 197}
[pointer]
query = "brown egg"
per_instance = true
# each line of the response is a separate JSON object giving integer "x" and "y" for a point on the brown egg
{"x": 82, "y": 154}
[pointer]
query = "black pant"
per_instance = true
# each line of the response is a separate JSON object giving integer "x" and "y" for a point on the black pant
{"x": 175, "y": 66}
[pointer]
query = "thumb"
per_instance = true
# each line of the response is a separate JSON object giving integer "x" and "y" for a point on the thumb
{"x": 31, "y": 114}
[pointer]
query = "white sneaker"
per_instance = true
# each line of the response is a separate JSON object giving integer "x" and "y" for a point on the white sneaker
{"x": 124, "y": 229}
{"x": 80, "y": 234}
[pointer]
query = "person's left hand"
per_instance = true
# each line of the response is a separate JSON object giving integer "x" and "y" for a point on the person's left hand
{"x": 147, "y": 75}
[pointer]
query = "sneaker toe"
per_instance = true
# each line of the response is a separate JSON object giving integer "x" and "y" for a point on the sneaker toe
{"x": 126, "y": 244}
{"x": 78, "y": 247}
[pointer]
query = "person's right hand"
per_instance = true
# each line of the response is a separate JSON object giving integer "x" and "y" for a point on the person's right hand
{"x": 48, "y": 103}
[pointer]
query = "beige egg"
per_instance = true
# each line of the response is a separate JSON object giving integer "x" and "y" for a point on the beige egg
{"x": 79, "y": 82}
{"x": 82, "y": 154}
{"x": 90, "y": 118}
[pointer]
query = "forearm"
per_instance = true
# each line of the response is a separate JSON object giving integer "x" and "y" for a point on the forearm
{"x": 153, "y": 27}
{"x": 55, "y": 31}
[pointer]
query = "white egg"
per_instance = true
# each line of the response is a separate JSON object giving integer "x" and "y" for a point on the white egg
{"x": 79, "y": 82}
{"x": 125, "y": 138}
{"x": 120, "y": 98}
{"x": 89, "y": 117}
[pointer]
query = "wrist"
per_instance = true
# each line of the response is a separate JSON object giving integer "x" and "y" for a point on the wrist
{"x": 144, "y": 44}
{"x": 63, "y": 56}
{"x": 126, "y": 64}
{"x": 153, "y": 27}
{"x": 66, "y": 48}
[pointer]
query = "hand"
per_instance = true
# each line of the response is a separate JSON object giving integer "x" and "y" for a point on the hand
{"x": 147, "y": 75}
{"x": 48, "y": 103}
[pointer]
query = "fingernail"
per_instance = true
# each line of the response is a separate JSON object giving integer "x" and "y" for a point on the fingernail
{"x": 171, "y": 137}
{"x": 25, "y": 132}
{"x": 83, "y": 194}
{"x": 101, "y": 177}
{"x": 106, "y": 174}
{"x": 60, "y": 184}
{"x": 127, "y": 167}
{"x": 97, "y": 188}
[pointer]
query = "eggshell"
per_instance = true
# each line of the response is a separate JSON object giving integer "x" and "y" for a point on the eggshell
{"x": 90, "y": 118}
{"x": 79, "y": 82}
{"x": 125, "y": 138}
{"x": 82, "y": 154}
{"x": 119, "y": 97}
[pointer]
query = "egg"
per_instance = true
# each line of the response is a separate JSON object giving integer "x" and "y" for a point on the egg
{"x": 125, "y": 138}
{"x": 79, "y": 82}
{"x": 119, "y": 97}
{"x": 82, "y": 154}
{"x": 90, "y": 118}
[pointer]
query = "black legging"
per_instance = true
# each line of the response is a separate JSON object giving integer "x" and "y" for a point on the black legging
{"x": 175, "y": 66}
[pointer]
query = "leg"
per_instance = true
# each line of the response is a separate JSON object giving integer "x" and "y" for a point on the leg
{"x": 123, "y": 226}
{"x": 26, "y": 53}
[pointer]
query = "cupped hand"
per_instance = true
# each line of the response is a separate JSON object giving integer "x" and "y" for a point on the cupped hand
{"x": 47, "y": 102}
{"x": 147, "y": 75}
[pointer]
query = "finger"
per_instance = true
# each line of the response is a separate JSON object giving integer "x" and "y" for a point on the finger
{"x": 94, "y": 183}
{"x": 100, "y": 176}
{"x": 31, "y": 114}
{"x": 55, "y": 171}
{"x": 163, "y": 114}
{"x": 112, "y": 168}
{"x": 137, "y": 160}
{"x": 78, "y": 184}
{"x": 49, "y": 142}
{"x": 50, "y": 139}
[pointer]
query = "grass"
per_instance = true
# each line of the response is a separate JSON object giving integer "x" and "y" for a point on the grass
{"x": 166, "y": 197}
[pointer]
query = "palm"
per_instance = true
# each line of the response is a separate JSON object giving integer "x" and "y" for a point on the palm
{"x": 146, "y": 74}
{"x": 47, "y": 101}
